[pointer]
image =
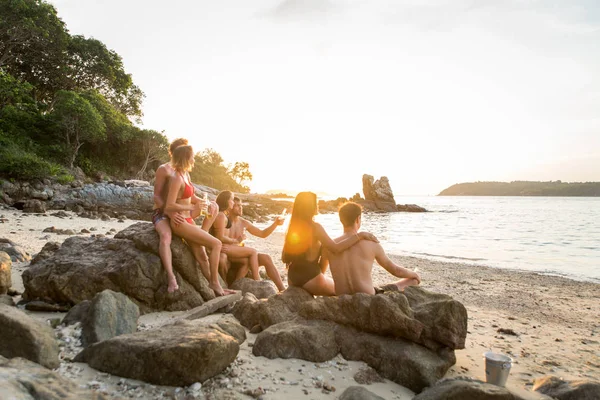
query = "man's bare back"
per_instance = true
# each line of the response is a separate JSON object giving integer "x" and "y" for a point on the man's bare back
{"x": 351, "y": 270}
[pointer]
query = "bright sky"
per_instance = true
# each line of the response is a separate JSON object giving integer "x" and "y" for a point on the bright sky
{"x": 315, "y": 93}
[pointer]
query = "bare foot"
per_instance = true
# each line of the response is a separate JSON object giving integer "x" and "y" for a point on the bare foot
{"x": 219, "y": 291}
{"x": 173, "y": 286}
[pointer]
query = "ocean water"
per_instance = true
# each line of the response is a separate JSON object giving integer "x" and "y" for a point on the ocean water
{"x": 550, "y": 235}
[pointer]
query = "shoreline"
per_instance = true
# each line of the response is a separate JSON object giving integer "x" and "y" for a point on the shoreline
{"x": 555, "y": 319}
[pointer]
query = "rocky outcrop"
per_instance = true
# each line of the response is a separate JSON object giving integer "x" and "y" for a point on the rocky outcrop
{"x": 23, "y": 379}
{"x": 5, "y": 272}
{"x": 128, "y": 263}
{"x": 417, "y": 330}
{"x": 359, "y": 393}
{"x": 378, "y": 191}
{"x": 175, "y": 355}
{"x": 22, "y": 336}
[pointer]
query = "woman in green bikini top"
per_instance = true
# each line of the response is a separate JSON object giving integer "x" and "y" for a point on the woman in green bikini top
{"x": 304, "y": 240}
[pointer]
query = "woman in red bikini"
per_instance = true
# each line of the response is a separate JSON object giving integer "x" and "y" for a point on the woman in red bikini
{"x": 304, "y": 240}
{"x": 181, "y": 198}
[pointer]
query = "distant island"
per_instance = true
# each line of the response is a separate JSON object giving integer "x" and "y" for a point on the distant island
{"x": 524, "y": 188}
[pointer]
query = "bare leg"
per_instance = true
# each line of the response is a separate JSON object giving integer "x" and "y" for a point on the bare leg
{"x": 199, "y": 253}
{"x": 223, "y": 266}
{"x": 164, "y": 250}
{"x": 267, "y": 261}
{"x": 197, "y": 237}
{"x": 243, "y": 269}
{"x": 320, "y": 285}
{"x": 246, "y": 252}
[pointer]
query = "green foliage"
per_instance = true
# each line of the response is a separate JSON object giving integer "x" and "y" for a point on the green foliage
{"x": 523, "y": 188}
{"x": 209, "y": 170}
{"x": 33, "y": 43}
{"x": 92, "y": 66}
{"x": 79, "y": 122}
{"x": 240, "y": 172}
{"x": 17, "y": 163}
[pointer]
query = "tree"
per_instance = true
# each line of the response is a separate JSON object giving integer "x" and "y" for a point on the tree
{"x": 154, "y": 145}
{"x": 240, "y": 172}
{"x": 210, "y": 157}
{"x": 33, "y": 43}
{"x": 92, "y": 66}
{"x": 79, "y": 121}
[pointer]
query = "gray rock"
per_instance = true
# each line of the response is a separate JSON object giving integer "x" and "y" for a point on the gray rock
{"x": 22, "y": 336}
{"x": 404, "y": 362}
{"x": 5, "y": 272}
{"x": 16, "y": 253}
{"x": 367, "y": 376}
{"x": 23, "y": 379}
{"x": 128, "y": 263}
{"x": 7, "y": 300}
{"x": 465, "y": 388}
{"x": 77, "y": 313}
{"x": 34, "y": 206}
{"x": 261, "y": 289}
{"x": 359, "y": 393}
{"x": 567, "y": 390}
{"x": 110, "y": 314}
{"x": 42, "y": 306}
{"x": 175, "y": 355}
{"x": 307, "y": 340}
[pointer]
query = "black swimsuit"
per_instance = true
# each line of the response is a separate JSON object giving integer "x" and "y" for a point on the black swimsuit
{"x": 212, "y": 229}
{"x": 301, "y": 270}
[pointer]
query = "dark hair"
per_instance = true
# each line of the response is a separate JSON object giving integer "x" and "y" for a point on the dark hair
{"x": 299, "y": 235}
{"x": 237, "y": 199}
{"x": 175, "y": 144}
{"x": 181, "y": 158}
{"x": 349, "y": 212}
{"x": 223, "y": 199}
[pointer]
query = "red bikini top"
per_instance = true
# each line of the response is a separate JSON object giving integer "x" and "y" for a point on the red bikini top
{"x": 188, "y": 191}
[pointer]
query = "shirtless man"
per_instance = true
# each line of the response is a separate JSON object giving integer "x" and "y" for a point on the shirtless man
{"x": 237, "y": 231}
{"x": 351, "y": 269}
{"x": 160, "y": 219}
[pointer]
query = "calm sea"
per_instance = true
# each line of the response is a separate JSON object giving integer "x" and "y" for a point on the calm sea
{"x": 551, "y": 235}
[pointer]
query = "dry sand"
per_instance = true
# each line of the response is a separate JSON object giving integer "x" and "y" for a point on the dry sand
{"x": 549, "y": 325}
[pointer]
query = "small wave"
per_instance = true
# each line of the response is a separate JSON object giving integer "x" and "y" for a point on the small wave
{"x": 451, "y": 257}
{"x": 445, "y": 211}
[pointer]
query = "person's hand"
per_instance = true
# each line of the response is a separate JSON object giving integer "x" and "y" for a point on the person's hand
{"x": 241, "y": 238}
{"x": 178, "y": 219}
{"x": 279, "y": 220}
{"x": 225, "y": 248}
{"x": 415, "y": 276}
{"x": 367, "y": 236}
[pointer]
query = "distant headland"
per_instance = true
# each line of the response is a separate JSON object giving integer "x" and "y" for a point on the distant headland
{"x": 524, "y": 188}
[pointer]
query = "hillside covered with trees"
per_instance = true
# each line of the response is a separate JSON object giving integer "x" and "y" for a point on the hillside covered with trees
{"x": 66, "y": 101}
{"x": 523, "y": 188}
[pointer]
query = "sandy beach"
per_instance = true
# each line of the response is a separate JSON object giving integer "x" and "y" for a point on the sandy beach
{"x": 549, "y": 325}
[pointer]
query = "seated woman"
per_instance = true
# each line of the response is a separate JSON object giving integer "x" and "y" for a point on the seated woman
{"x": 232, "y": 248}
{"x": 181, "y": 198}
{"x": 304, "y": 240}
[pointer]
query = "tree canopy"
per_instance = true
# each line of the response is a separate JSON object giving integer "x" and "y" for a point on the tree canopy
{"x": 67, "y": 101}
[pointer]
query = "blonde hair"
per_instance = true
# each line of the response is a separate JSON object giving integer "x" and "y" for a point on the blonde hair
{"x": 175, "y": 144}
{"x": 181, "y": 158}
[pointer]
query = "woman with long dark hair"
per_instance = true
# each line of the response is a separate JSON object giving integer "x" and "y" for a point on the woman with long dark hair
{"x": 304, "y": 240}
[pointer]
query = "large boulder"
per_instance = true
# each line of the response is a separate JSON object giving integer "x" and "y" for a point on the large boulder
{"x": 5, "y": 272}
{"x": 307, "y": 340}
{"x": 128, "y": 263}
{"x": 109, "y": 314}
{"x": 23, "y": 379}
{"x": 175, "y": 355}
{"x": 261, "y": 289}
{"x": 22, "y": 336}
